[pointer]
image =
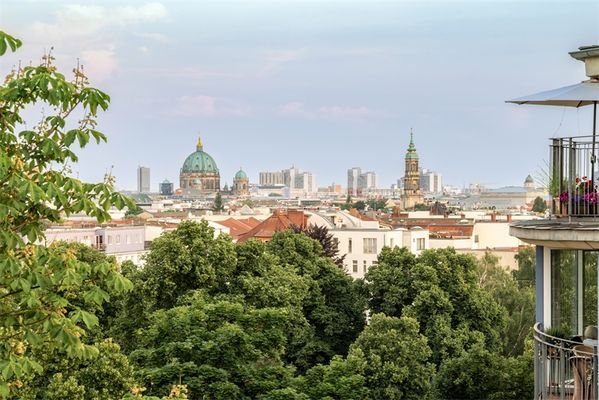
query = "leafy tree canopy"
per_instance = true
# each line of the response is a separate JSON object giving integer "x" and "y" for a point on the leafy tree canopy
{"x": 37, "y": 282}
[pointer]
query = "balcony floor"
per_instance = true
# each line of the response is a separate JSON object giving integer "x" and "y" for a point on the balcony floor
{"x": 566, "y": 233}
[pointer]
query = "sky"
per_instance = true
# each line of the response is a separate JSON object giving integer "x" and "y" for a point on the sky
{"x": 320, "y": 85}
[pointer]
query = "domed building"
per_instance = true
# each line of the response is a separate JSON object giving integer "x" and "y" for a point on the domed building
{"x": 199, "y": 174}
{"x": 241, "y": 184}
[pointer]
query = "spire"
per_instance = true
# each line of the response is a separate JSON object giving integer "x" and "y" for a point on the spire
{"x": 200, "y": 145}
{"x": 411, "y": 148}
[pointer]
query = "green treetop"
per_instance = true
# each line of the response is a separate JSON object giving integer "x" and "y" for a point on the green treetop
{"x": 36, "y": 282}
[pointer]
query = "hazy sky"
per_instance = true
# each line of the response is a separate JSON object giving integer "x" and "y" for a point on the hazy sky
{"x": 324, "y": 86}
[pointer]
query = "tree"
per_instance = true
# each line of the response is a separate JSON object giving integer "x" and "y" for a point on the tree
{"x": 219, "y": 348}
{"x": 395, "y": 358}
{"x": 525, "y": 274}
{"x": 478, "y": 374}
{"x": 134, "y": 211}
{"x": 539, "y": 205}
{"x": 329, "y": 243}
{"x": 181, "y": 261}
{"x": 107, "y": 375}
{"x": 334, "y": 306}
{"x": 518, "y": 301}
{"x": 440, "y": 290}
{"x": 218, "y": 205}
{"x": 37, "y": 283}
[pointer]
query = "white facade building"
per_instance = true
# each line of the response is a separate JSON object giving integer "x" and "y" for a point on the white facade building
{"x": 362, "y": 241}
{"x": 125, "y": 243}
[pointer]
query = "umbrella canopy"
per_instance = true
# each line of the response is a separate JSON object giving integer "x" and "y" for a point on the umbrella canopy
{"x": 582, "y": 94}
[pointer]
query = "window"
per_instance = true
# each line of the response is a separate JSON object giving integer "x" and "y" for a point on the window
{"x": 420, "y": 243}
{"x": 126, "y": 239}
{"x": 355, "y": 266}
{"x": 349, "y": 245}
{"x": 109, "y": 239}
{"x": 118, "y": 239}
{"x": 364, "y": 267}
{"x": 369, "y": 245}
{"x": 391, "y": 242}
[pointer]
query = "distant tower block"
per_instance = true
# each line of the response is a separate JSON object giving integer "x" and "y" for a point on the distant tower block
{"x": 143, "y": 179}
{"x": 411, "y": 193}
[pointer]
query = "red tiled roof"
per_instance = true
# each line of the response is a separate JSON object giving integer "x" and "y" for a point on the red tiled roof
{"x": 237, "y": 227}
{"x": 280, "y": 220}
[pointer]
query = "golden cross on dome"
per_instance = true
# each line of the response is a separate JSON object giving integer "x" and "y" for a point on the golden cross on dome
{"x": 200, "y": 145}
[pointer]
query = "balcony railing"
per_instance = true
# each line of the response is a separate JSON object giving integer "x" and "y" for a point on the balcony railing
{"x": 573, "y": 177}
{"x": 564, "y": 369}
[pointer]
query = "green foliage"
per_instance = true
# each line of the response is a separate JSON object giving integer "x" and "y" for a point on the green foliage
{"x": 539, "y": 205}
{"x": 421, "y": 207}
{"x": 335, "y": 304}
{"x": 329, "y": 243}
{"x": 394, "y": 356}
{"x": 134, "y": 211}
{"x": 479, "y": 374}
{"x": 340, "y": 379}
{"x": 105, "y": 376}
{"x": 517, "y": 300}
{"x": 440, "y": 290}
{"x": 219, "y": 349}
{"x": 218, "y": 204}
{"x": 39, "y": 285}
{"x": 525, "y": 274}
{"x": 376, "y": 204}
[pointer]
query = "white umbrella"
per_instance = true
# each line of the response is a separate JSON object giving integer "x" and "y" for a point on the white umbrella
{"x": 582, "y": 94}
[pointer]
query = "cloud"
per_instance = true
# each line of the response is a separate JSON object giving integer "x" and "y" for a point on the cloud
{"x": 99, "y": 64}
{"x": 156, "y": 37}
{"x": 274, "y": 59}
{"x": 209, "y": 106}
{"x": 188, "y": 72}
{"x": 297, "y": 109}
{"x": 77, "y": 20}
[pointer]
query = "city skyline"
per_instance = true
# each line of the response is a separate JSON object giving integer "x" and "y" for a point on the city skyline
{"x": 324, "y": 86}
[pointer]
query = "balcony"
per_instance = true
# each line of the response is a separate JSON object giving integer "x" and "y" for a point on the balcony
{"x": 572, "y": 177}
{"x": 564, "y": 369}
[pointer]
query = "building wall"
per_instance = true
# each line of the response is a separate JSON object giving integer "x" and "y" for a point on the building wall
{"x": 143, "y": 179}
{"x": 271, "y": 178}
{"x": 118, "y": 241}
{"x": 494, "y": 235}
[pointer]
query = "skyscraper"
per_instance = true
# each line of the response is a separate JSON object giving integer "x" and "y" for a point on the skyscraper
{"x": 143, "y": 179}
{"x": 353, "y": 177}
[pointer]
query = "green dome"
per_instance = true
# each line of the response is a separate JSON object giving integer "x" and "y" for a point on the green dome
{"x": 241, "y": 175}
{"x": 411, "y": 154}
{"x": 199, "y": 161}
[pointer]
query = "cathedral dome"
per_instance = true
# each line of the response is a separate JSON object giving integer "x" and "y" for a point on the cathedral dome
{"x": 241, "y": 175}
{"x": 199, "y": 161}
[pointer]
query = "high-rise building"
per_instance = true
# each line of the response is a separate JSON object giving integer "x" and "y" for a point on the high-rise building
{"x": 431, "y": 182}
{"x": 359, "y": 183}
{"x": 353, "y": 177}
{"x": 143, "y": 179}
{"x": 411, "y": 191}
{"x": 300, "y": 183}
{"x": 271, "y": 178}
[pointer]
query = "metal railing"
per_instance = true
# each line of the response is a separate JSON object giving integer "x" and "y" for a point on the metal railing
{"x": 564, "y": 369}
{"x": 573, "y": 177}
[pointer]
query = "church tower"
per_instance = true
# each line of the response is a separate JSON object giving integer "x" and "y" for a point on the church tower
{"x": 411, "y": 184}
{"x": 241, "y": 184}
